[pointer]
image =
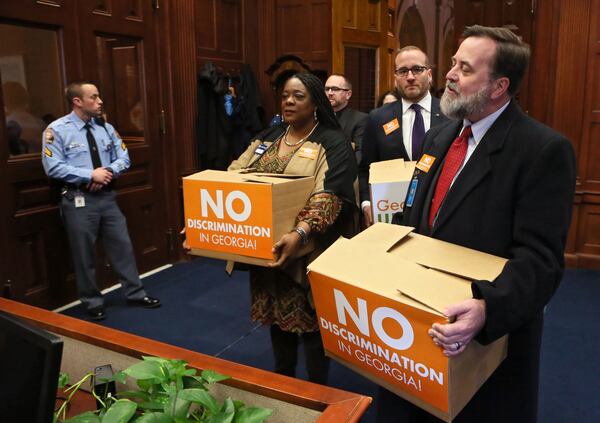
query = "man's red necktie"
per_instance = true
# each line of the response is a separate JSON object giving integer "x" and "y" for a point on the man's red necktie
{"x": 454, "y": 159}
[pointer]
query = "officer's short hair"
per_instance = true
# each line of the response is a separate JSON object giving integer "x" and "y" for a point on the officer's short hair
{"x": 74, "y": 90}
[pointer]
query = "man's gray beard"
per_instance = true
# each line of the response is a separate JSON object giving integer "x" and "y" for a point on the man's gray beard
{"x": 460, "y": 108}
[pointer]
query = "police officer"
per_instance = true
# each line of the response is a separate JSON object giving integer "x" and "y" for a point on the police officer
{"x": 85, "y": 154}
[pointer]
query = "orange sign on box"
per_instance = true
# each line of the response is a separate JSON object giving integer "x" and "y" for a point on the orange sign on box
{"x": 237, "y": 216}
{"x": 376, "y": 297}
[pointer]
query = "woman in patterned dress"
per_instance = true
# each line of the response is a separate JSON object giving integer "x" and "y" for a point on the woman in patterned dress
{"x": 308, "y": 142}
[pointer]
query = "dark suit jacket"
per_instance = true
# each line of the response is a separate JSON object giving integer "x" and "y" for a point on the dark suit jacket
{"x": 513, "y": 199}
{"x": 353, "y": 124}
{"x": 377, "y": 146}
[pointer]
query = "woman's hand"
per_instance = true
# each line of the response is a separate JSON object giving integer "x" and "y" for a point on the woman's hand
{"x": 286, "y": 247}
{"x": 184, "y": 244}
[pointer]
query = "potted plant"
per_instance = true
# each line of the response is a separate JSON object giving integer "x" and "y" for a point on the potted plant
{"x": 168, "y": 392}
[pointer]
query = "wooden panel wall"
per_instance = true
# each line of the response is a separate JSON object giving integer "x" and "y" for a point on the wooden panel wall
{"x": 226, "y": 33}
{"x": 583, "y": 15}
{"x": 299, "y": 27}
{"x": 517, "y": 15}
{"x": 303, "y": 29}
{"x": 358, "y": 24}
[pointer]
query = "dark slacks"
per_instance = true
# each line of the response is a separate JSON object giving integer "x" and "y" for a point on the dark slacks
{"x": 285, "y": 350}
{"x": 101, "y": 217}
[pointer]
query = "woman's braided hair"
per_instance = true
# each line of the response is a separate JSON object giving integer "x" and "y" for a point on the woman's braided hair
{"x": 316, "y": 89}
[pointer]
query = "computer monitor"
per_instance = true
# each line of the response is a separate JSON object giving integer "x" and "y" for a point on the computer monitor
{"x": 29, "y": 367}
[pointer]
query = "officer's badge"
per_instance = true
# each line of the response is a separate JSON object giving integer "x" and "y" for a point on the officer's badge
{"x": 123, "y": 146}
{"x": 49, "y": 136}
{"x": 48, "y": 152}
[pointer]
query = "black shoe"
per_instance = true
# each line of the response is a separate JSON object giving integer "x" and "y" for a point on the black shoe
{"x": 96, "y": 314}
{"x": 147, "y": 302}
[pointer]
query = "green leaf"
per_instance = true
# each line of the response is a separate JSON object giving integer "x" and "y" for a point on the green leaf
{"x": 194, "y": 382}
{"x": 146, "y": 370}
{"x": 145, "y": 385}
{"x": 135, "y": 394}
{"x": 169, "y": 389}
{"x": 63, "y": 379}
{"x": 200, "y": 397}
{"x": 228, "y": 406}
{"x": 154, "y": 418}
{"x": 152, "y": 405}
{"x": 120, "y": 412}
{"x": 87, "y": 417}
{"x": 118, "y": 377}
{"x": 252, "y": 415}
{"x": 181, "y": 409}
{"x": 220, "y": 418}
{"x": 212, "y": 377}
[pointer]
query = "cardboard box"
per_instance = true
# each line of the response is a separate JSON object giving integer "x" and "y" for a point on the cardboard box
{"x": 239, "y": 216}
{"x": 389, "y": 181}
{"x": 376, "y": 297}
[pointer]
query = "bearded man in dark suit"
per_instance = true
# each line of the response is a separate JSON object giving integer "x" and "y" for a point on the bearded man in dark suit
{"x": 397, "y": 130}
{"x": 505, "y": 188}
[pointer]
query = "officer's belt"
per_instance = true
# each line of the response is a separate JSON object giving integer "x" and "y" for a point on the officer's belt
{"x": 84, "y": 187}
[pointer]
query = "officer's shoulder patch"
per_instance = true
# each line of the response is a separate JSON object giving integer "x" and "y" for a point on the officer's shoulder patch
{"x": 49, "y": 136}
{"x": 47, "y": 152}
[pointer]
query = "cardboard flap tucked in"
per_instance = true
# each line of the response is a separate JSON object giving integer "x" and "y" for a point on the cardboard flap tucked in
{"x": 447, "y": 257}
{"x": 383, "y": 236}
{"x": 358, "y": 264}
{"x": 391, "y": 171}
{"x": 440, "y": 291}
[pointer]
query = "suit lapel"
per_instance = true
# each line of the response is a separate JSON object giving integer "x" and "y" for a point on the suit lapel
{"x": 396, "y": 136}
{"x": 478, "y": 166}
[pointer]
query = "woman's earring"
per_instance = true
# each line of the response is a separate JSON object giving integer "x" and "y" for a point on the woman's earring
{"x": 316, "y": 115}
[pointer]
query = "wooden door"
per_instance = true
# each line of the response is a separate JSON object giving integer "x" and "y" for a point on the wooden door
{"x": 363, "y": 47}
{"x": 119, "y": 51}
{"x": 51, "y": 43}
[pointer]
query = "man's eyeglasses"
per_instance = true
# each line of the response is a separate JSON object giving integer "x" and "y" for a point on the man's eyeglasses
{"x": 416, "y": 70}
{"x": 336, "y": 89}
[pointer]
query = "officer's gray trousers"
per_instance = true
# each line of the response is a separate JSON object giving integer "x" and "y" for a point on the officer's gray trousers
{"x": 102, "y": 217}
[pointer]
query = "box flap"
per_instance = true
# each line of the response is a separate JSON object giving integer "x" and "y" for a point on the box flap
{"x": 271, "y": 178}
{"x": 391, "y": 171}
{"x": 447, "y": 257}
{"x": 212, "y": 175}
{"x": 243, "y": 176}
{"x": 382, "y": 236}
{"x": 356, "y": 264}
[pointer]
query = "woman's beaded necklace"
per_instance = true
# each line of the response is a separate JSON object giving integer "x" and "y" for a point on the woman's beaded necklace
{"x": 301, "y": 140}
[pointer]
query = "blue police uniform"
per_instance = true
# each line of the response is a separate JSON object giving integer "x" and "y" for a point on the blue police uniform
{"x": 87, "y": 215}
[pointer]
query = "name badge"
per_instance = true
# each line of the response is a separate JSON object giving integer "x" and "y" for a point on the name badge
{"x": 412, "y": 190}
{"x": 309, "y": 153}
{"x": 425, "y": 163}
{"x": 391, "y": 126}
{"x": 260, "y": 149}
{"x": 79, "y": 201}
